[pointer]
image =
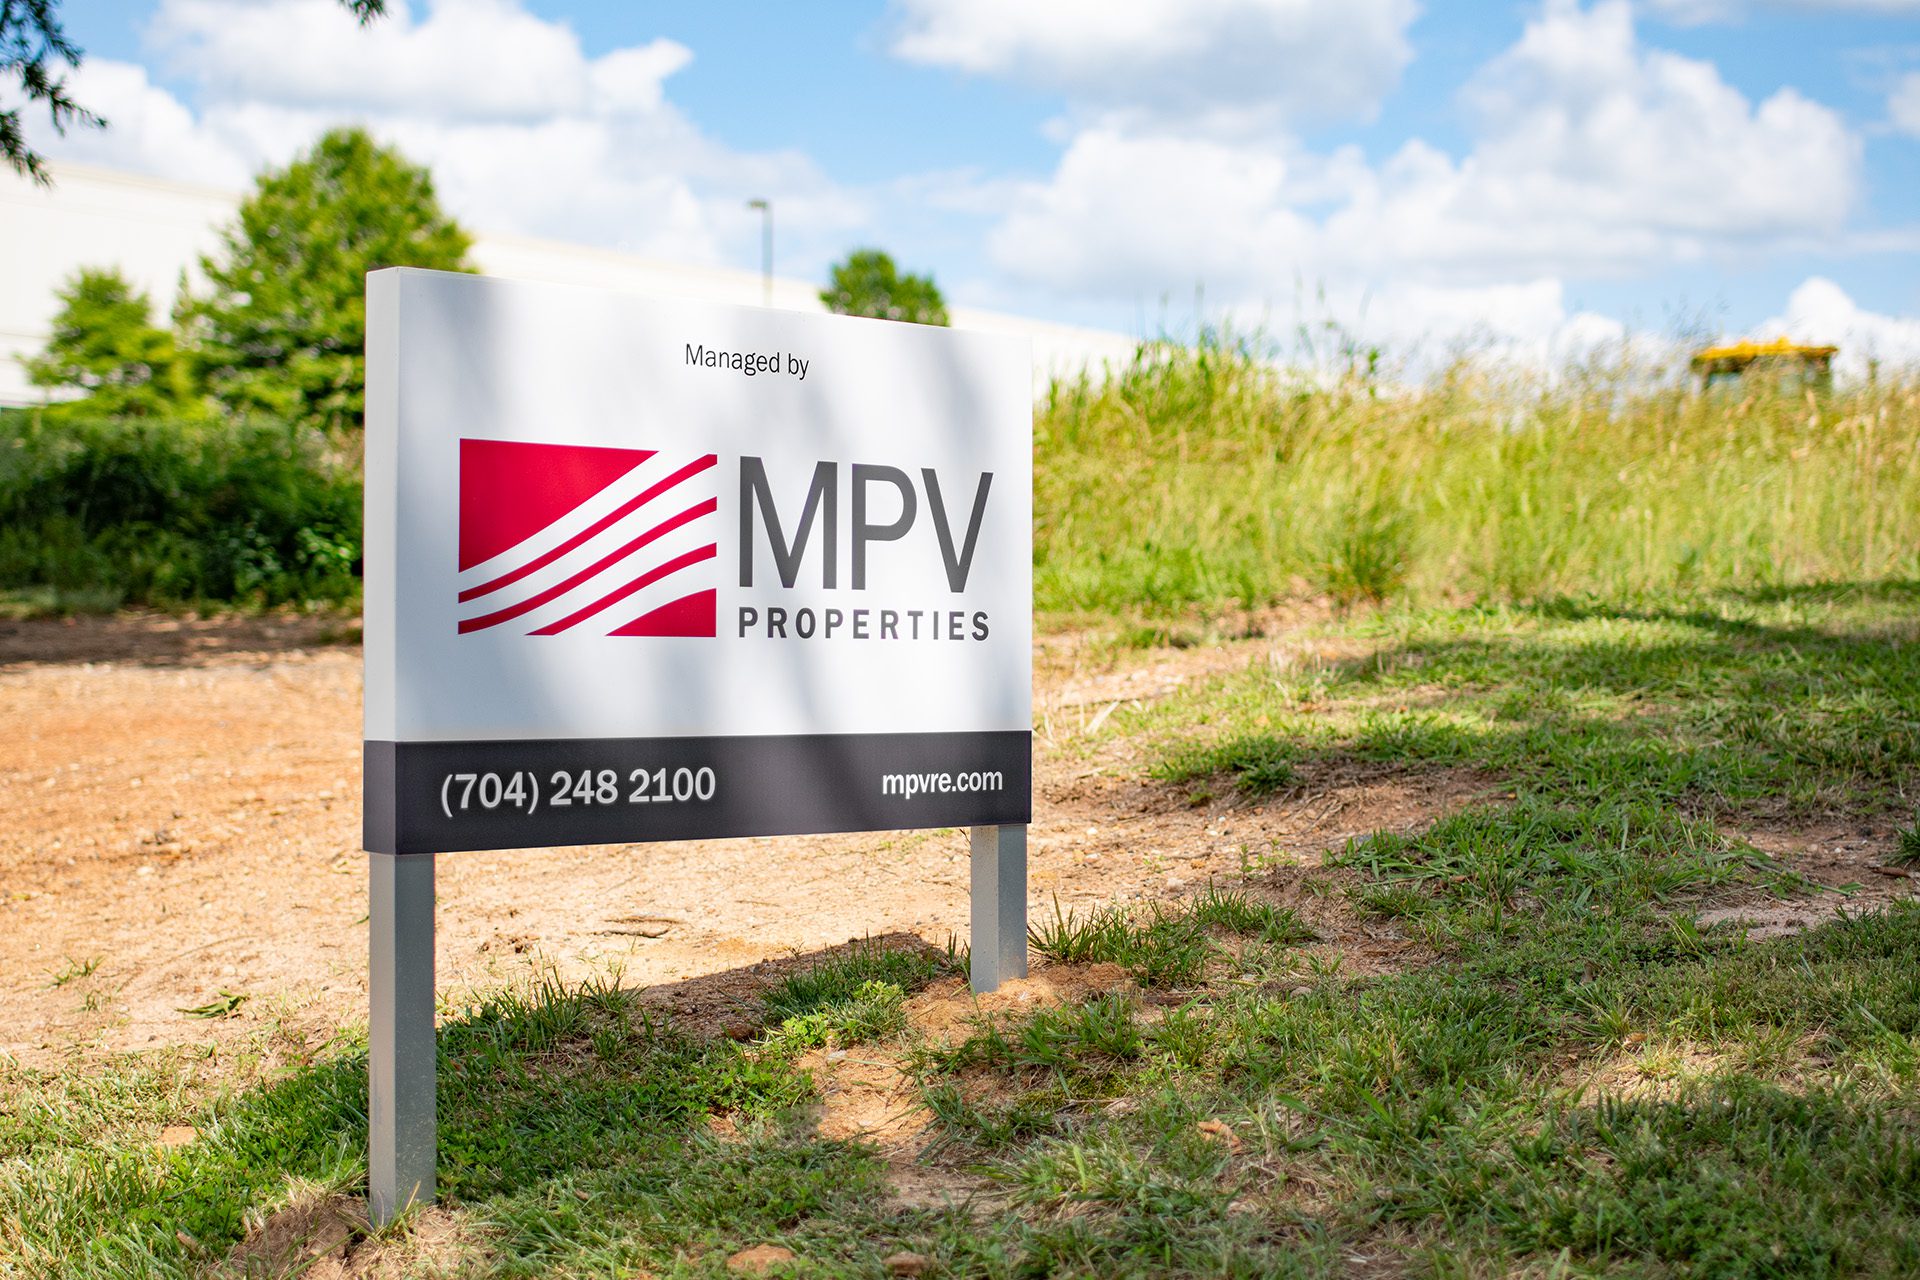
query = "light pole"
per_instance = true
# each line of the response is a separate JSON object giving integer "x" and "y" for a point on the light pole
{"x": 766, "y": 248}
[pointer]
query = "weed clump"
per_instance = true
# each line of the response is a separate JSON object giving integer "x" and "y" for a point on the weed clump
{"x": 1261, "y": 764}
{"x": 874, "y": 1010}
{"x": 1906, "y": 849}
{"x": 1166, "y": 948}
{"x": 1163, "y": 946}
{"x": 855, "y": 978}
{"x": 1233, "y": 911}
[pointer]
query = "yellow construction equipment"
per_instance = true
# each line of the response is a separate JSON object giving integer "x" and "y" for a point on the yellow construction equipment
{"x": 1788, "y": 362}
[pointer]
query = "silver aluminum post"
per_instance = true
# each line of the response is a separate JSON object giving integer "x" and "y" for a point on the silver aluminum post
{"x": 999, "y": 906}
{"x": 400, "y": 1055}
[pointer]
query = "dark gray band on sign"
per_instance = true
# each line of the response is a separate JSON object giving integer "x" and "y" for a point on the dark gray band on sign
{"x": 380, "y": 833}
{"x": 437, "y": 797}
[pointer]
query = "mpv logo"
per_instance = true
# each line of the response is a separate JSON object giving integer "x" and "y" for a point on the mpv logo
{"x": 570, "y": 538}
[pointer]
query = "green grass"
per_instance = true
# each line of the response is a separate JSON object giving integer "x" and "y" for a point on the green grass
{"x": 58, "y": 602}
{"x": 542, "y": 1095}
{"x": 1464, "y": 1111}
{"x": 1234, "y": 911}
{"x": 1907, "y": 851}
{"x": 840, "y": 978}
{"x": 1790, "y": 702}
{"x": 1631, "y": 629}
{"x": 1572, "y": 1077}
{"x": 1204, "y": 480}
{"x": 1167, "y": 949}
{"x": 1587, "y": 1082}
{"x": 1160, "y": 946}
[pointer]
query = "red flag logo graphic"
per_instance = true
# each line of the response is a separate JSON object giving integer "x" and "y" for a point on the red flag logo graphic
{"x": 559, "y": 538}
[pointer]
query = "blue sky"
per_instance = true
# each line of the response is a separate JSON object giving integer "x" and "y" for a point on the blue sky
{"x": 1546, "y": 175}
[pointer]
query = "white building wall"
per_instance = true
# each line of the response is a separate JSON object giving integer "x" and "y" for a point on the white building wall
{"x": 155, "y": 232}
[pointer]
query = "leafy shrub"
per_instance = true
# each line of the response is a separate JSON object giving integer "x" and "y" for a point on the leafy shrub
{"x": 163, "y": 512}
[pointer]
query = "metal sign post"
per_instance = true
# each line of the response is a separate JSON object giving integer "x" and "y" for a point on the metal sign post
{"x": 400, "y": 1049}
{"x": 401, "y": 1129}
{"x": 999, "y": 932}
{"x": 639, "y": 570}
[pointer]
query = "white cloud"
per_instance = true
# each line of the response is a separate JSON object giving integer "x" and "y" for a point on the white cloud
{"x": 1225, "y": 65}
{"x": 1591, "y": 156}
{"x": 1580, "y": 123}
{"x": 464, "y": 60}
{"x": 1122, "y": 212}
{"x": 1525, "y": 324}
{"x": 1263, "y": 264}
{"x": 144, "y": 123}
{"x": 1690, "y": 13}
{"x": 1820, "y": 311}
{"x": 522, "y": 130}
{"x": 1529, "y": 319}
{"x": 1903, "y": 105}
{"x": 1588, "y": 154}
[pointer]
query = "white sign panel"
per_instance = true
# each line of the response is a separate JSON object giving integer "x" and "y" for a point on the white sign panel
{"x": 643, "y": 570}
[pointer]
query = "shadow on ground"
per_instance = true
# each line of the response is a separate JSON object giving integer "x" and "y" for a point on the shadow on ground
{"x": 167, "y": 640}
{"x": 1708, "y": 709}
{"x": 546, "y": 1097}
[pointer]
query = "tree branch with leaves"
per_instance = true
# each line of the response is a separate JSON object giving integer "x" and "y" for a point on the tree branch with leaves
{"x": 32, "y": 48}
{"x": 35, "y": 53}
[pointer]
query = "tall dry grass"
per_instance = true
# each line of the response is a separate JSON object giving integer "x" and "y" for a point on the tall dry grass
{"x": 1205, "y": 477}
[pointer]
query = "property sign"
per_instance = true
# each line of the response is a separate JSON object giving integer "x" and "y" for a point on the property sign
{"x": 647, "y": 570}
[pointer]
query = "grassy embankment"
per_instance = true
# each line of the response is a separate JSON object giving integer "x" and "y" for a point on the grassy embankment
{"x": 1581, "y": 1080}
{"x": 1197, "y": 481}
{"x": 1191, "y": 483}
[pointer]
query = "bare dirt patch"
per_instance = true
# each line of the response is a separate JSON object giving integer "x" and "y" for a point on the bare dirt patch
{"x": 1842, "y": 854}
{"x": 867, "y": 1091}
{"x": 325, "y": 1236}
{"x": 182, "y": 801}
{"x": 947, "y": 1010}
{"x": 1846, "y": 862}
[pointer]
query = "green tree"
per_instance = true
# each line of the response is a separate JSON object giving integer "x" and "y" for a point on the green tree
{"x": 105, "y": 345}
{"x": 32, "y": 47}
{"x": 868, "y": 284}
{"x": 283, "y": 329}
